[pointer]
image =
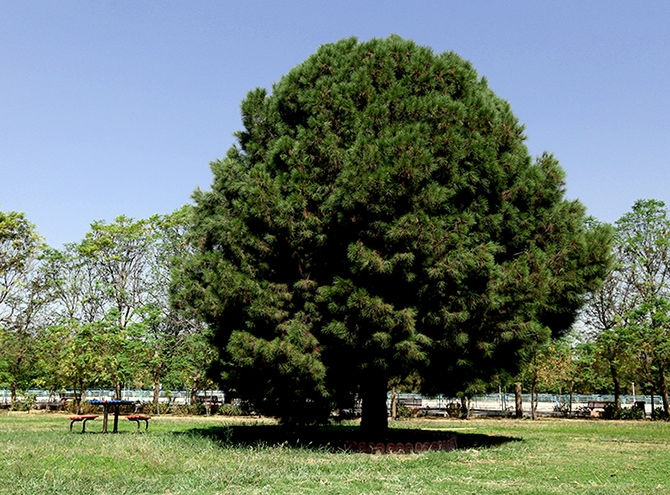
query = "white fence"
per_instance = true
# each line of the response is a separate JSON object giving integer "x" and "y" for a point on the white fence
{"x": 504, "y": 403}
{"x": 500, "y": 402}
{"x": 40, "y": 397}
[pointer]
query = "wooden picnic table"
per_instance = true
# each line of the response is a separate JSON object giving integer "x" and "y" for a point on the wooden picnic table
{"x": 114, "y": 405}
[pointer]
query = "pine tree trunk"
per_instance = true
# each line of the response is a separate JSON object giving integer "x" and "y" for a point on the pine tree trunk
{"x": 117, "y": 390}
{"x": 518, "y": 400}
{"x": 374, "y": 416}
{"x": 394, "y": 398}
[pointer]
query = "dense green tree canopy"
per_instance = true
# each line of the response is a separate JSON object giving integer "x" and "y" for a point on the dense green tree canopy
{"x": 381, "y": 216}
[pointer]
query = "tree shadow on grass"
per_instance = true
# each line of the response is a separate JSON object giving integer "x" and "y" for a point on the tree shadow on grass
{"x": 346, "y": 438}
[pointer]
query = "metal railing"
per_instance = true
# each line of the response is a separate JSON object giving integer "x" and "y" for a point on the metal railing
{"x": 136, "y": 395}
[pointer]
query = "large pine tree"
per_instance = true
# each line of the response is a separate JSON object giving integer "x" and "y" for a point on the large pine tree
{"x": 380, "y": 216}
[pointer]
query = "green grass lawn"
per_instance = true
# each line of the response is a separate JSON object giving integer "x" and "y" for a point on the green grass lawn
{"x": 198, "y": 455}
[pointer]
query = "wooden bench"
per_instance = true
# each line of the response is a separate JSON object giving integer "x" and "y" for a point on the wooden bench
{"x": 139, "y": 417}
{"x": 83, "y": 419}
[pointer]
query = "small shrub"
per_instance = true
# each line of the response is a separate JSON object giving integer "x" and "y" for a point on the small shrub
{"x": 146, "y": 408}
{"x": 29, "y": 400}
{"x": 85, "y": 408}
{"x": 454, "y": 410}
{"x": 402, "y": 411}
{"x": 632, "y": 413}
{"x": 582, "y": 412}
{"x": 613, "y": 412}
{"x": 230, "y": 410}
{"x": 189, "y": 410}
{"x": 150, "y": 408}
{"x": 19, "y": 406}
{"x": 26, "y": 404}
{"x": 180, "y": 410}
{"x": 563, "y": 408}
{"x": 610, "y": 411}
{"x": 659, "y": 414}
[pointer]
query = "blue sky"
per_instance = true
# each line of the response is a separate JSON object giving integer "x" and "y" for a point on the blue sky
{"x": 117, "y": 107}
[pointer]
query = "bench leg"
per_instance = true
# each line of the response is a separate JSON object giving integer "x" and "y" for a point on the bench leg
{"x": 83, "y": 424}
{"x": 146, "y": 424}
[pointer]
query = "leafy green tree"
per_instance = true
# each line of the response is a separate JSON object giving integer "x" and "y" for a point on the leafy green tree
{"x": 380, "y": 216}
{"x": 615, "y": 347}
{"x": 188, "y": 367}
{"x": 70, "y": 346}
{"x": 168, "y": 332}
{"x": 561, "y": 366}
{"x": 591, "y": 372}
{"x": 71, "y": 355}
{"x": 23, "y": 296}
{"x": 534, "y": 359}
{"x": 119, "y": 255}
{"x": 606, "y": 318}
{"x": 111, "y": 318}
{"x": 644, "y": 235}
{"x": 628, "y": 315}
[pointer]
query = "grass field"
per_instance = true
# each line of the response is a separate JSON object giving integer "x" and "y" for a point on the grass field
{"x": 198, "y": 455}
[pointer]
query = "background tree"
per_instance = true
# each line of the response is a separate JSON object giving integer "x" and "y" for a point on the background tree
{"x": 70, "y": 350}
{"x": 628, "y": 315}
{"x": 189, "y": 366}
{"x": 71, "y": 355}
{"x": 381, "y": 215}
{"x": 591, "y": 372}
{"x": 23, "y": 296}
{"x": 645, "y": 238}
{"x": 533, "y": 360}
{"x": 605, "y": 316}
{"x": 119, "y": 254}
{"x": 169, "y": 334}
{"x": 97, "y": 312}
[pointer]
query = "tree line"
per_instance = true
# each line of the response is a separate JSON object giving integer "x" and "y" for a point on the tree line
{"x": 97, "y": 312}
